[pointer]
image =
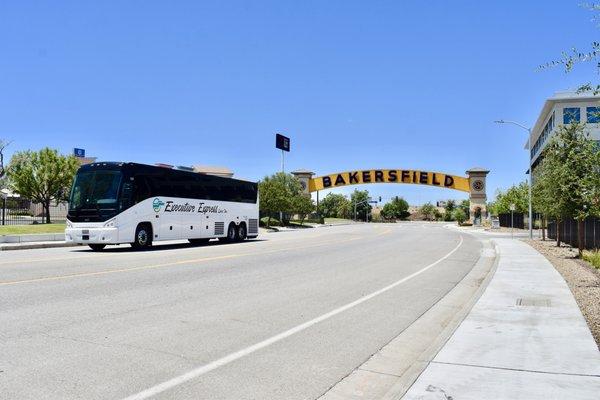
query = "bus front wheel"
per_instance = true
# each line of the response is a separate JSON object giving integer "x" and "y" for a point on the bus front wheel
{"x": 232, "y": 234}
{"x": 143, "y": 237}
{"x": 97, "y": 247}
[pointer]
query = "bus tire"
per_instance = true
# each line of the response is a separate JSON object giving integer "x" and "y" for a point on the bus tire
{"x": 232, "y": 234}
{"x": 198, "y": 241}
{"x": 143, "y": 236}
{"x": 242, "y": 233}
{"x": 96, "y": 247}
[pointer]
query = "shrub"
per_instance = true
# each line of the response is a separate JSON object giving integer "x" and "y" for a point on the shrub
{"x": 274, "y": 221}
{"x": 593, "y": 257}
{"x": 459, "y": 215}
{"x": 20, "y": 213}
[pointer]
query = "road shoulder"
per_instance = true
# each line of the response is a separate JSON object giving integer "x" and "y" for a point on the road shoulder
{"x": 390, "y": 372}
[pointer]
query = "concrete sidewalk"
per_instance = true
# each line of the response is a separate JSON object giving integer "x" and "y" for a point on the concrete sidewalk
{"x": 524, "y": 339}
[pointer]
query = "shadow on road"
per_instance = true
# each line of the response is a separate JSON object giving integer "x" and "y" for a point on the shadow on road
{"x": 171, "y": 246}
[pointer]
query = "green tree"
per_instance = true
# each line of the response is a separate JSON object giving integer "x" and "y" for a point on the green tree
{"x": 542, "y": 193}
{"x": 396, "y": 209}
{"x": 465, "y": 205}
{"x": 459, "y": 215}
{"x": 428, "y": 211}
{"x": 345, "y": 209}
{"x": 279, "y": 193}
{"x": 449, "y": 209}
{"x": 516, "y": 194}
{"x": 303, "y": 205}
{"x": 570, "y": 177}
{"x": 387, "y": 212}
{"x": 548, "y": 196}
{"x": 360, "y": 203}
{"x": 42, "y": 176}
{"x": 334, "y": 205}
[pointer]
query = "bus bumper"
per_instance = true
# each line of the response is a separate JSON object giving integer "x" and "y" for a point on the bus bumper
{"x": 92, "y": 235}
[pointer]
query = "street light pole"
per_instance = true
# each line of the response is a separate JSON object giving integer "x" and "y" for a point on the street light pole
{"x": 530, "y": 170}
{"x": 358, "y": 204}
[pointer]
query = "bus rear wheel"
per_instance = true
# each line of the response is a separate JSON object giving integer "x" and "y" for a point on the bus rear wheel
{"x": 97, "y": 247}
{"x": 241, "y": 232}
{"x": 143, "y": 237}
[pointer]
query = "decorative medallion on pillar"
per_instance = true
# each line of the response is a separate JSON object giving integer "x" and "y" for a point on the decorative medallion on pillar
{"x": 304, "y": 177}
{"x": 477, "y": 194}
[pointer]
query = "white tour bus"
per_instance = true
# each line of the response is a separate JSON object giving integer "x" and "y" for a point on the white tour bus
{"x": 114, "y": 203}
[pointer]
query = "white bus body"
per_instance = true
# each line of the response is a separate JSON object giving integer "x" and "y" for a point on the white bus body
{"x": 115, "y": 203}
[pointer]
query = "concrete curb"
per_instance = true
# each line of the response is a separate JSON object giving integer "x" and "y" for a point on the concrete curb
{"x": 280, "y": 229}
{"x": 39, "y": 237}
{"x": 390, "y": 372}
{"x": 34, "y": 245}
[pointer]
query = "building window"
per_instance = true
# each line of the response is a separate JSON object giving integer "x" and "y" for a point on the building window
{"x": 593, "y": 115}
{"x": 570, "y": 115}
{"x": 543, "y": 136}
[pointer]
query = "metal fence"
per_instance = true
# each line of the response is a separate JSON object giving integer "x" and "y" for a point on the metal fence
{"x": 518, "y": 220}
{"x": 568, "y": 232}
{"x": 19, "y": 211}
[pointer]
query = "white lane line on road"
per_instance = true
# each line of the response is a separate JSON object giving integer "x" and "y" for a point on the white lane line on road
{"x": 197, "y": 372}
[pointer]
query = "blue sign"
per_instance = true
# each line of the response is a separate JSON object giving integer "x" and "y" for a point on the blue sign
{"x": 79, "y": 152}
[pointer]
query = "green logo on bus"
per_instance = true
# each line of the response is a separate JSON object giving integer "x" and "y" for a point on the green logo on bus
{"x": 157, "y": 204}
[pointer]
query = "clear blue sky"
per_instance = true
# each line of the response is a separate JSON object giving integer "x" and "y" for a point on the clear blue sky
{"x": 368, "y": 84}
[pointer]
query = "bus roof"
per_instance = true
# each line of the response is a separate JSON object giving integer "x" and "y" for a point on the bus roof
{"x": 132, "y": 166}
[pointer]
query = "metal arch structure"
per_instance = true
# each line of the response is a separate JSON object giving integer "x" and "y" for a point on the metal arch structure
{"x": 474, "y": 183}
{"x": 389, "y": 176}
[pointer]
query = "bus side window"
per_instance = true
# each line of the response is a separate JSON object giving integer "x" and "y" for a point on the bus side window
{"x": 198, "y": 188}
{"x": 142, "y": 191}
{"x": 126, "y": 195}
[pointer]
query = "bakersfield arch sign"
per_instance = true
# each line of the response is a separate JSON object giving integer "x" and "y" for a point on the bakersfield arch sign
{"x": 474, "y": 183}
{"x": 389, "y": 176}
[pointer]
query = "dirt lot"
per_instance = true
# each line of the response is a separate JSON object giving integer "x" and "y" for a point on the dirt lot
{"x": 582, "y": 278}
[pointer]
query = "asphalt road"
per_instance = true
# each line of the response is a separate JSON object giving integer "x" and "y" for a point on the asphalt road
{"x": 283, "y": 317}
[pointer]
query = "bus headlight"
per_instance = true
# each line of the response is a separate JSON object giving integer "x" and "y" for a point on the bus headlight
{"x": 110, "y": 223}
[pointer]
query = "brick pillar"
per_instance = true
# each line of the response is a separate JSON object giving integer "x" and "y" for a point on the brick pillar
{"x": 477, "y": 194}
{"x": 304, "y": 177}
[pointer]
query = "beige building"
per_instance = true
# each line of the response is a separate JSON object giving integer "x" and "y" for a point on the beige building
{"x": 561, "y": 109}
{"x": 213, "y": 170}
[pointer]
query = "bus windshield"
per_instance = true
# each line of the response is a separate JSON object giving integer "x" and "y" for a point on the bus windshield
{"x": 95, "y": 189}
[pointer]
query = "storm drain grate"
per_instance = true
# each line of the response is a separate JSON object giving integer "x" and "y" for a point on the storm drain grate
{"x": 528, "y": 302}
